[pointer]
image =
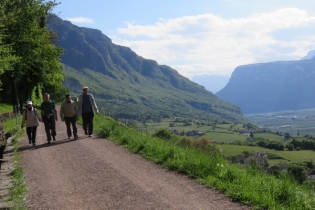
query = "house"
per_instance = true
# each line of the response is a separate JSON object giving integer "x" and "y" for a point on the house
{"x": 262, "y": 159}
{"x": 311, "y": 173}
{"x": 279, "y": 167}
{"x": 194, "y": 133}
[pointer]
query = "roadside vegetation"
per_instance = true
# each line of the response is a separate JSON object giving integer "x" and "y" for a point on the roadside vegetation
{"x": 18, "y": 190}
{"x": 201, "y": 159}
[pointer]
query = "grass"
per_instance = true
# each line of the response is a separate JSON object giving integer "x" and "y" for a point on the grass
{"x": 248, "y": 185}
{"x": 224, "y": 133}
{"x": 18, "y": 190}
{"x": 5, "y": 108}
{"x": 274, "y": 156}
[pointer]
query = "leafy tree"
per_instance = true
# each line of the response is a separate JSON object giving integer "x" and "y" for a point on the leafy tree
{"x": 297, "y": 171}
{"x": 290, "y": 147}
{"x": 251, "y": 134}
{"x": 287, "y": 136}
{"x": 38, "y": 64}
{"x": 7, "y": 59}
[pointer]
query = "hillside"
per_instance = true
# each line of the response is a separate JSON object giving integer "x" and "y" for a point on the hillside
{"x": 129, "y": 85}
{"x": 270, "y": 87}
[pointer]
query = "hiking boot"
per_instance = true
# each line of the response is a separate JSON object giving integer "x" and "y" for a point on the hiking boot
{"x": 54, "y": 138}
{"x": 85, "y": 132}
{"x": 90, "y": 135}
{"x": 76, "y": 137}
{"x": 69, "y": 137}
{"x": 34, "y": 144}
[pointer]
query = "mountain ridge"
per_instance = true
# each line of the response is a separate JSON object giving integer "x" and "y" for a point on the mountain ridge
{"x": 136, "y": 85}
{"x": 273, "y": 86}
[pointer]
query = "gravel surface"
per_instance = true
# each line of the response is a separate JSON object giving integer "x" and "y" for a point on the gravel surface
{"x": 95, "y": 173}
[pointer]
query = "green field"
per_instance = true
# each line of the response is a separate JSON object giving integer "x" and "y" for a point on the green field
{"x": 274, "y": 156}
{"x": 224, "y": 135}
{"x": 301, "y": 121}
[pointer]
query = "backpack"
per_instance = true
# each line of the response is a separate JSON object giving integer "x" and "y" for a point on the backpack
{"x": 25, "y": 113}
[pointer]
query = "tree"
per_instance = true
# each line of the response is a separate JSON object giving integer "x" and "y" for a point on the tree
{"x": 7, "y": 59}
{"x": 38, "y": 64}
{"x": 290, "y": 147}
{"x": 297, "y": 171}
{"x": 287, "y": 136}
{"x": 251, "y": 135}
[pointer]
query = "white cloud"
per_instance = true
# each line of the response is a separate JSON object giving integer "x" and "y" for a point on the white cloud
{"x": 80, "y": 20}
{"x": 214, "y": 45}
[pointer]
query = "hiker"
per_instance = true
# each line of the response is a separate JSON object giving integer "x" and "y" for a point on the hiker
{"x": 68, "y": 114}
{"x": 30, "y": 117}
{"x": 87, "y": 107}
{"x": 49, "y": 115}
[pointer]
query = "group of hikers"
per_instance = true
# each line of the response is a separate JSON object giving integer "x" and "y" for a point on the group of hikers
{"x": 70, "y": 111}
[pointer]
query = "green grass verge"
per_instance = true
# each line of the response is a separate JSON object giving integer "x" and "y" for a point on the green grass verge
{"x": 5, "y": 108}
{"x": 17, "y": 192}
{"x": 249, "y": 185}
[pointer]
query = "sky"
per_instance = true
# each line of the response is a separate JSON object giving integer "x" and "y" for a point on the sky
{"x": 197, "y": 37}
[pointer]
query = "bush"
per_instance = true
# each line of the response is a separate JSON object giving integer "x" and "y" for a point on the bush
{"x": 163, "y": 134}
{"x": 202, "y": 143}
{"x": 214, "y": 149}
{"x": 290, "y": 147}
{"x": 185, "y": 142}
{"x": 297, "y": 171}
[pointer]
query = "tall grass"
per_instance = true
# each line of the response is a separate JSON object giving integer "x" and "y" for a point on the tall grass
{"x": 5, "y": 108}
{"x": 248, "y": 185}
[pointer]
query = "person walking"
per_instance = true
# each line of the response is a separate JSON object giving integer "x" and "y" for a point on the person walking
{"x": 30, "y": 118}
{"x": 49, "y": 115}
{"x": 86, "y": 108}
{"x": 68, "y": 114}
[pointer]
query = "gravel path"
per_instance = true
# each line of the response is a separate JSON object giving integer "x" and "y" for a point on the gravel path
{"x": 95, "y": 173}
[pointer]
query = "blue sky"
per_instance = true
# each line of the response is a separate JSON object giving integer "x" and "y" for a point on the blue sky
{"x": 201, "y": 36}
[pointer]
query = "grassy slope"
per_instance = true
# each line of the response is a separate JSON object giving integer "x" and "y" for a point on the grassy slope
{"x": 145, "y": 97}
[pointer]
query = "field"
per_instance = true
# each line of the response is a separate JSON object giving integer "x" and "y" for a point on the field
{"x": 301, "y": 121}
{"x": 274, "y": 156}
{"x": 223, "y": 134}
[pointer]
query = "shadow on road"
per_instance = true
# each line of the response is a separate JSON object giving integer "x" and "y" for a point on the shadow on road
{"x": 53, "y": 143}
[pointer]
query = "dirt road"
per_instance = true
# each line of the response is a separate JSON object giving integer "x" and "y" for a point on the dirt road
{"x": 95, "y": 173}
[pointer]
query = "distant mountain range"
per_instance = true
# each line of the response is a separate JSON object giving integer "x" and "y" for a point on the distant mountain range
{"x": 274, "y": 86}
{"x": 129, "y": 85}
{"x": 212, "y": 83}
{"x": 309, "y": 55}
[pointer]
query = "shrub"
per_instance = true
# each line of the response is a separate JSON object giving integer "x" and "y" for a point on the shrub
{"x": 290, "y": 147}
{"x": 185, "y": 142}
{"x": 214, "y": 149}
{"x": 297, "y": 171}
{"x": 163, "y": 134}
{"x": 202, "y": 143}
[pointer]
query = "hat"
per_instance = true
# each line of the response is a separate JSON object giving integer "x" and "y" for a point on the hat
{"x": 85, "y": 87}
{"x": 29, "y": 102}
{"x": 67, "y": 95}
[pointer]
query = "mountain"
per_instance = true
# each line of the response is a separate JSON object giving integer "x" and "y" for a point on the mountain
{"x": 129, "y": 85}
{"x": 309, "y": 55}
{"x": 274, "y": 86}
{"x": 212, "y": 83}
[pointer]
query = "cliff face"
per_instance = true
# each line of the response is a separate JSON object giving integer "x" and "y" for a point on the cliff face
{"x": 274, "y": 86}
{"x": 130, "y": 84}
